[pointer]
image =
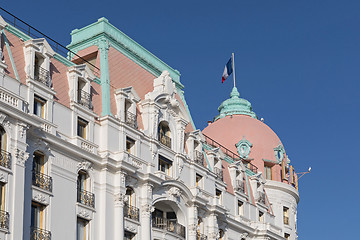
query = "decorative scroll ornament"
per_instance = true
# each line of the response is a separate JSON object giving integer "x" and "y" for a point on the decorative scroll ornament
{"x": 85, "y": 165}
{"x": 21, "y": 156}
{"x": 40, "y": 198}
{"x": 120, "y": 199}
{"x": 279, "y": 153}
{"x": 244, "y": 147}
{"x": 147, "y": 209}
{"x": 243, "y": 236}
{"x": 174, "y": 192}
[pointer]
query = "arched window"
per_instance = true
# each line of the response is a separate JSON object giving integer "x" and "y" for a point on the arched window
{"x": 2, "y": 139}
{"x": 84, "y": 196}
{"x": 131, "y": 199}
{"x": 4, "y": 155}
{"x": 164, "y": 134}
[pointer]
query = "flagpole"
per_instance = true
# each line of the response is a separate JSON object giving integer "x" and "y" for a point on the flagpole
{"x": 233, "y": 62}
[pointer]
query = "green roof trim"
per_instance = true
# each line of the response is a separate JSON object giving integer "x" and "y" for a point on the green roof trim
{"x": 235, "y": 105}
{"x": 89, "y": 35}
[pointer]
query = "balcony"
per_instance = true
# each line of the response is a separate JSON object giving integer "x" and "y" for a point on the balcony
{"x": 165, "y": 140}
{"x": 199, "y": 158}
{"x": 86, "y": 198}
{"x": 286, "y": 220}
{"x": 5, "y": 159}
{"x": 261, "y": 198}
{"x": 219, "y": 173}
{"x": 131, "y": 212}
{"x": 169, "y": 226}
{"x": 240, "y": 186}
{"x": 43, "y": 76}
{"x": 85, "y": 99}
{"x": 42, "y": 181}
{"x": 130, "y": 120}
{"x": 40, "y": 234}
{"x": 4, "y": 220}
{"x": 200, "y": 236}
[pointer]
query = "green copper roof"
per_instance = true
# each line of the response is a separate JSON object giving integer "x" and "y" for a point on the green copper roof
{"x": 235, "y": 105}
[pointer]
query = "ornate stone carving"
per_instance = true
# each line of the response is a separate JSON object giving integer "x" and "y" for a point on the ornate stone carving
{"x": 243, "y": 236}
{"x": 192, "y": 228}
{"x": 85, "y": 165}
{"x": 84, "y": 214}
{"x": 213, "y": 235}
{"x": 3, "y": 178}
{"x": 174, "y": 191}
{"x": 120, "y": 199}
{"x": 123, "y": 178}
{"x": 21, "y": 156}
{"x": 2, "y": 118}
{"x": 22, "y": 129}
{"x": 130, "y": 228}
{"x": 40, "y": 198}
{"x": 147, "y": 209}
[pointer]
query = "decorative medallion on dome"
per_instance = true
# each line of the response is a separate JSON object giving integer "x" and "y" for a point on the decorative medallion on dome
{"x": 279, "y": 153}
{"x": 244, "y": 147}
{"x": 235, "y": 105}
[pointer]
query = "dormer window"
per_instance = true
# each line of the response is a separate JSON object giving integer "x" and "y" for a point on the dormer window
{"x": 37, "y": 61}
{"x": 130, "y": 116}
{"x": 164, "y": 134}
{"x": 41, "y": 74}
{"x": 84, "y": 97}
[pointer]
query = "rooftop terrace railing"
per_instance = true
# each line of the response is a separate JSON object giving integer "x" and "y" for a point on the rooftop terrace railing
{"x": 35, "y": 33}
{"x": 230, "y": 153}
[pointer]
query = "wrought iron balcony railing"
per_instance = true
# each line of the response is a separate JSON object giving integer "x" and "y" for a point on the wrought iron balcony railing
{"x": 286, "y": 220}
{"x": 200, "y": 236}
{"x": 85, "y": 99}
{"x": 42, "y": 181}
{"x": 131, "y": 212}
{"x": 240, "y": 186}
{"x": 165, "y": 140}
{"x": 199, "y": 158}
{"x": 40, "y": 234}
{"x": 130, "y": 119}
{"x": 219, "y": 173}
{"x": 42, "y": 75}
{"x": 86, "y": 198}
{"x": 5, "y": 159}
{"x": 4, "y": 220}
{"x": 169, "y": 226}
{"x": 261, "y": 198}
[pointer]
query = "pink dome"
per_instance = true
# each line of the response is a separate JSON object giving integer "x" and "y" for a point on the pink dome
{"x": 230, "y": 129}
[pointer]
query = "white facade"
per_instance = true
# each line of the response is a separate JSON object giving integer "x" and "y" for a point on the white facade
{"x": 109, "y": 179}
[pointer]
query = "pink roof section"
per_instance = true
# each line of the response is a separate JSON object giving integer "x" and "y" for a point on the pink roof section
{"x": 60, "y": 82}
{"x": 231, "y": 129}
{"x": 17, "y": 51}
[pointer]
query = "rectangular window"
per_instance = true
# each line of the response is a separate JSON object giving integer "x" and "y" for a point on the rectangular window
{"x": 39, "y": 106}
{"x": 82, "y": 128}
{"x": 218, "y": 194}
{"x": 268, "y": 172}
{"x": 286, "y": 215}
{"x": 261, "y": 216}
{"x": 240, "y": 208}
{"x": 37, "y": 215}
{"x": 130, "y": 146}
{"x": 165, "y": 165}
{"x": 81, "y": 229}
{"x": 198, "y": 180}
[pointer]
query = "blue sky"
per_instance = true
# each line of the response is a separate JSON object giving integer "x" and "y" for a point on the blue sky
{"x": 297, "y": 62}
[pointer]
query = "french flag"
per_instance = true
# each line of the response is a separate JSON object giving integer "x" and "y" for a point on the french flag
{"x": 228, "y": 70}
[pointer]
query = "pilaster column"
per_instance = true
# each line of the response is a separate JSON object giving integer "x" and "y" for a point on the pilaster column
{"x": 193, "y": 219}
{"x": 119, "y": 215}
{"x": 19, "y": 228}
{"x": 105, "y": 77}
{"x": 213, "y": 227}
{"x": 145, "y": 212}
